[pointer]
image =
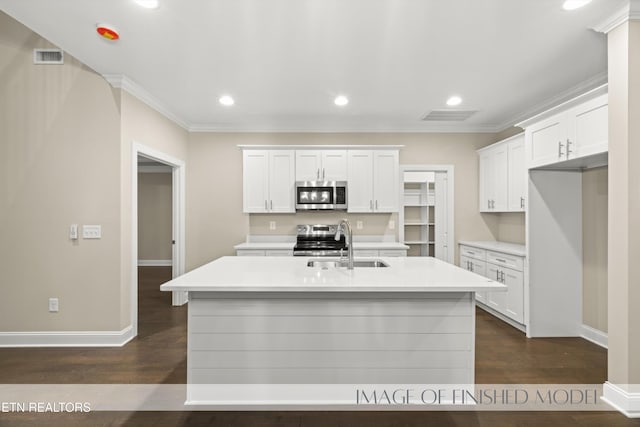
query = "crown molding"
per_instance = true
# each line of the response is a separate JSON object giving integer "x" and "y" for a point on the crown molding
{"x": 346, "y": 128}
{"x": 123, "y": 82}
{"x": 629, "y": 12}
{"x": 597, "y": 83}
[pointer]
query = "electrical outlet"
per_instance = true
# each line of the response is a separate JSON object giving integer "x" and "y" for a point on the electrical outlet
{"x": 91, "y": 231}
{"x": 392, "y": 224}
{"x": 358, "y": 225}
{"x": 53, "y": 305}
{"x": 272, "y": 225}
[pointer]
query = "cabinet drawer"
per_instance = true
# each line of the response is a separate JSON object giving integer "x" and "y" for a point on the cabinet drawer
{"x": 505, "y": 260}
{"x": 249, "y": 252}
{"x": 365, "y": 252}
{"x": 392, "y": 252}
{"x": 279, "y": 252}
{"x": 472, "y": 252}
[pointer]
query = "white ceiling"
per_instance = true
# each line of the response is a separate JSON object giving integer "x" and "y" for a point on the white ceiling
{"x": 285, "y": 60}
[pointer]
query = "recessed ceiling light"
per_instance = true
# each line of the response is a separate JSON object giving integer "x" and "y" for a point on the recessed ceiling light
{"x": 148, "y": 4}
{"x": 574, "y": 4}
{"x": 226, "y": 100}
{"x": 453, "y": 101}
{"x": 341, "y": 100}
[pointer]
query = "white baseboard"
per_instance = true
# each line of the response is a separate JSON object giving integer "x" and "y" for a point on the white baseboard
{"x": 154, "y": 263}
{"x": 67, "y": 339}
{"x": 595, "y": 336}
{"x": 622, "y": 400}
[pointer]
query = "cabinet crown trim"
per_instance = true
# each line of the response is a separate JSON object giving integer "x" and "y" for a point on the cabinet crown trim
{"x": 502, "y": 141}
{"x": 320, "y": 147}
{"x": 587, "y": 96}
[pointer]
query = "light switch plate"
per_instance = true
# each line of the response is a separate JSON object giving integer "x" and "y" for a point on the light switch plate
{"x": 272, "y": 225}
{"x": 358, "y": 225}
{"x": 91, "y": 231}
{"x": 73, "y": 232}
{"x": 392, "y": 224}
{"x": 53, "y": 305}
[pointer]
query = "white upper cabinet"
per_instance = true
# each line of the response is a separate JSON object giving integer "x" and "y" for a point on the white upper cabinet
{"x": 321, "y": 165}
{"x": 373, "y": 181}
{"x": 360, "y": 182}
{"x": 268, "y": 181}
{"x": 589, "y": 128}
{"x": 386, "y": 181}
{"x": 498, "y": 166}
{"x": 547, "y": 141}
{"x": 517, "y": 182}
{"x": 576, "y": 133}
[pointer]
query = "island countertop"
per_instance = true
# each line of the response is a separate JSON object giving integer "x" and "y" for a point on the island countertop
{"x": 291, "y": 274}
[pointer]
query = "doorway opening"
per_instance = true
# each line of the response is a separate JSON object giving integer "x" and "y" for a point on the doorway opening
{"x": 157, "y": 226}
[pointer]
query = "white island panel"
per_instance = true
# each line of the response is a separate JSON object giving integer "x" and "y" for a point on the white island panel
{"x": 260, "y": 323}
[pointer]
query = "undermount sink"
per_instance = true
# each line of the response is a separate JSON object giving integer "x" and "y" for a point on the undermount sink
{"x": 326, "y": 264}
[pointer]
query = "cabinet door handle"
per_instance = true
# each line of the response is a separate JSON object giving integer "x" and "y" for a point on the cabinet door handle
{"x": 318, "y": 173}
{"x": 488, "y": 204}
{"x": 497, "y": 275}
{"x": 271, "y": 204}
{"x": 501, "y": 260}
{"x": 522, "y": 202}
{"x": 471, "y": 263}
{"x": 322, "y": 173}
{"x": 370, "y": 205}
{"x": 376, "y": 205}
{"x": 266, "y": 207}
{"x": 502, "y": 276}
{"x": 569, "y": 147}
{"x": 560, "y": 153}
{"x": 493, "y": 204}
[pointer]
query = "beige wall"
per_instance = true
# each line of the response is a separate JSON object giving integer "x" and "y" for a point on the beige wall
{"x": 594, "y": 247}
{"x": 215, "y": 222}
{"x": 142, "y": 125}
{"x": 154, "y": 216}
{"x": 624, "y": 205}
{"x": 66, "y": 157}
{"x": 60, "y": 164}
{"x": 511, "y": 227}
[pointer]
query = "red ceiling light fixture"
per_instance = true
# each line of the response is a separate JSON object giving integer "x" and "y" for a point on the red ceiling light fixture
{"x": 107, "y": 32}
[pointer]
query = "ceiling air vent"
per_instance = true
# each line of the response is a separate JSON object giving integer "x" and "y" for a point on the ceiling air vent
{"x": 448, "y": 115}
{"x": 48, "y": 56}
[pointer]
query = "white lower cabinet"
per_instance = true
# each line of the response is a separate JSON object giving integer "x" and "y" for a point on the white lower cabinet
{"x": 503, "y": 268}
{"x": 382, "y": 252}
{"x": 264, "y": 252}
{"x": 477, "y": 266}
{"x": 359, "y": 253}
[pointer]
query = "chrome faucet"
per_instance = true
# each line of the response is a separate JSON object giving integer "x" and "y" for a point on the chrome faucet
{"x": 345, "y": 227}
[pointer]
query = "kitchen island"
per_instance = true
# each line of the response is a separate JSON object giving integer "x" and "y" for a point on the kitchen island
{"x": 266, "y": 332}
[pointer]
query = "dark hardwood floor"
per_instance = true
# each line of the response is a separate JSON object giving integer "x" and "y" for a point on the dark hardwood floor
{"x": 158, "y": 355}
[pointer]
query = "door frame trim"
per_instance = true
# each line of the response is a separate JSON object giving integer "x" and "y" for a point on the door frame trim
{"x": 178, "y": 221}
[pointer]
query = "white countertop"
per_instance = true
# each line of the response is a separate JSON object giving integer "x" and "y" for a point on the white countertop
{"x": 507, "y": 248}
{"x": 291, "y": 274}
{"x": 290, "y": 245}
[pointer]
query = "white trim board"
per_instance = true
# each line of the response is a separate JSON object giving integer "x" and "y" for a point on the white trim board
{"x": 595, "y": 336}
{"x": 626, "y": 402}
{"x": 178, "y": 227}
{"x": 67, "y": 339}
{"x": 155, "y": 263}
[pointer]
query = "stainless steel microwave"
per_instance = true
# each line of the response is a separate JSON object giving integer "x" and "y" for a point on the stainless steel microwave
{"x": 321, "y": 195}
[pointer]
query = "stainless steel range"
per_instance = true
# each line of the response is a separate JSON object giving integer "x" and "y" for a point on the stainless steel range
{"x": 319, "y": 240}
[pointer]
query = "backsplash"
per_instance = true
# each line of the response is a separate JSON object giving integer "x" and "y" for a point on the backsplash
{"x": 372, "y": 224}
